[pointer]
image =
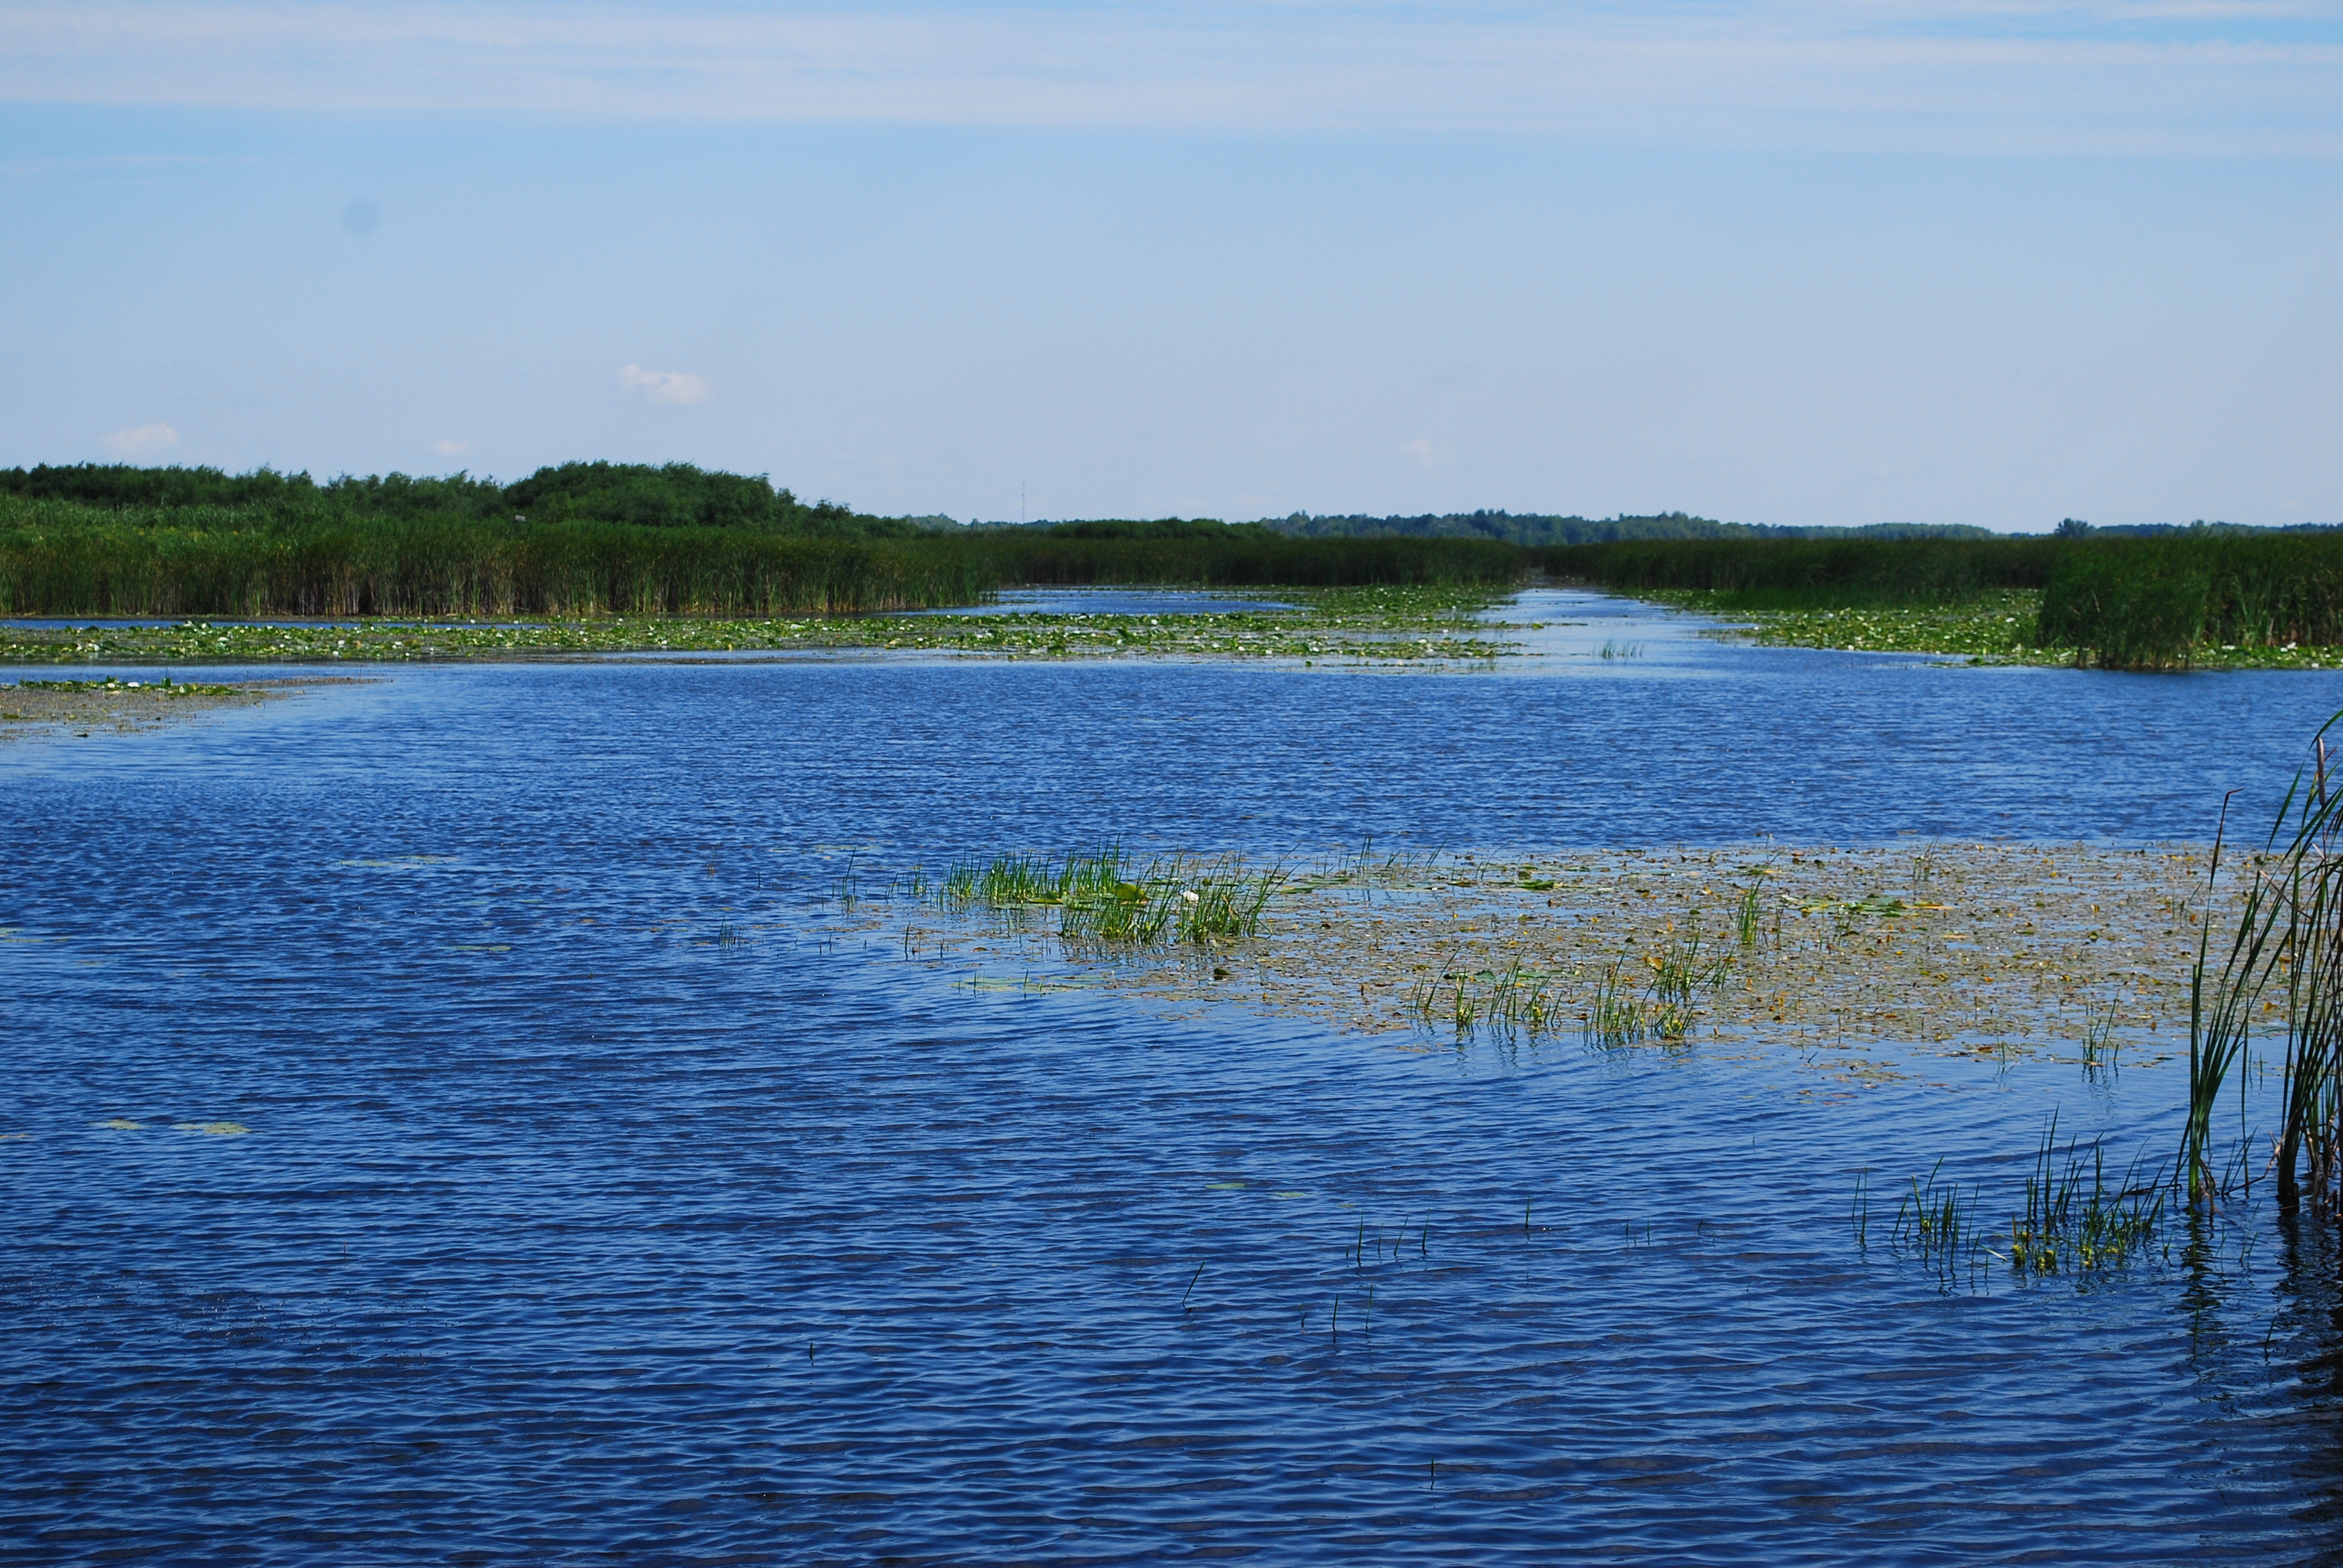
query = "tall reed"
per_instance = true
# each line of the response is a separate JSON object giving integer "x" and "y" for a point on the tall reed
{"x": 2289, "y": 937}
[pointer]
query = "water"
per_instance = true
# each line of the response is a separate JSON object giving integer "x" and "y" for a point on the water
{"x": 1116, "y": 601}
{"x": 563, "y": 1232}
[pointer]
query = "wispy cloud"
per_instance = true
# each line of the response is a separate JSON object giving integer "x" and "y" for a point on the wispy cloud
{"x": 142, "y": 441}
{"x": 676, "y": 386}
{"x": 2055, "y": 74}
{"x": 451, "y": 448}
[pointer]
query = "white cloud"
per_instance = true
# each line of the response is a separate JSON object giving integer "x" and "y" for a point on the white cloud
{"x": 451, "y": 448}
{"x": 144, "y": 440}
{"x": 2068, "y": 75}
{"x": 1425, "y": 455}
{"x": 668, "y": 386}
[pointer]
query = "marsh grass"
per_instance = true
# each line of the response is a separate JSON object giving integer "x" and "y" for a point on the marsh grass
{"x": 1936, "y": 1221}
{"x": 1103, "y": 896}
{"x": 1749, "y": 913}
{"x": 1617, "y": 1015}
{"x": 1514, "y": 998}
{"x": 2100, "y": 1042}
{"x": 1663, "y": 1007}
{"x": 2075, "y": 1220}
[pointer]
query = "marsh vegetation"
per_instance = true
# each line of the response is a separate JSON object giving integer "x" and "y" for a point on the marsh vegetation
{"x": 587, "y": 542}
{"x": 1850, "y": 958}
{"x": 2200, "y": 596}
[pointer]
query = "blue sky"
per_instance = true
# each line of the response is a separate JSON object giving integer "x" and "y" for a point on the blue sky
{"x": 1992, "y": 263}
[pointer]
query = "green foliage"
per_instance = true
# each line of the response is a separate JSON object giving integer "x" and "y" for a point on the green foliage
{"x": 673, "y": 495}
{"x": 640, "y": 495}
{"x": 1159, "y": 528}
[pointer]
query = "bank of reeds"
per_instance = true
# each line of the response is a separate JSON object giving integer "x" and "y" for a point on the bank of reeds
{"x": 2153, "y": 603}
{"x": 1810, "y": 574}
{"x": 2123, "y": 602}
{"x": 70, "y": 559}
{"x": 326, "y": 566}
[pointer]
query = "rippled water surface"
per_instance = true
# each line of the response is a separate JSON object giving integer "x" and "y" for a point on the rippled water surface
{"x": 560, "y": 1229}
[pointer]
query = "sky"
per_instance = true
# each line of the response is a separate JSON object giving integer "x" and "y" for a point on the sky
{"x": 1995, "y": 262}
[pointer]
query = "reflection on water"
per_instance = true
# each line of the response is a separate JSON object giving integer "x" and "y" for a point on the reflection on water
{"x": 560, "y": 1226}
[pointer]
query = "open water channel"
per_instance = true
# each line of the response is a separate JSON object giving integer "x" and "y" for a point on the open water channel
{"x": 558, "y": 1230}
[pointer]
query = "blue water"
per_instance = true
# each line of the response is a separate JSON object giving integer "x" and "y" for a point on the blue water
{"x": 1117, "y": 602}
{"x": 564, "y": 1232}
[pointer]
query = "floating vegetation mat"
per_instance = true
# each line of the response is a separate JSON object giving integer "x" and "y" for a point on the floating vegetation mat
{"x": 1969, "y": 949}
{"x": 124, "y": 707}
{"x": 1365, "y": 625}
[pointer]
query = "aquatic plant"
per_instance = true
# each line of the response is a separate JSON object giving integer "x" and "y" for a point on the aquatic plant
{"x": 2100, "y": 1042}
{"x": 1679, "y": 969}
{"x": 1748, "y": 912}
{"x": 1935, "y": 1221}
{"x": 1514, "y": 998}
{"x": 1616, "y": 1016}
{"x": 1663, "y": 1007}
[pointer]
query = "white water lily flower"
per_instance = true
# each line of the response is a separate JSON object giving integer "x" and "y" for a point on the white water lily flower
{"x": 1192, "y": 896}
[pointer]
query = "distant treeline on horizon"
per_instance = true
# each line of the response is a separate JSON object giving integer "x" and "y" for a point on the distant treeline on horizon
{"x": 681, "y": 495}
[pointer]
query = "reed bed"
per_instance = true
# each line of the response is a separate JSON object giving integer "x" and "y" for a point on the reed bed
{"x": 1813, "y": 574}
{"x": 2223, "y": 598}
{"x": 328, "y": 567}
{"x": 315, "y": 552}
